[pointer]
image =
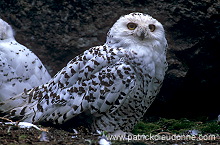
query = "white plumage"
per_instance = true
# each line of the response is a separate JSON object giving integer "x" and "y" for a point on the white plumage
{"x": 19, "y": 67}
{"x": 114, "y": 84}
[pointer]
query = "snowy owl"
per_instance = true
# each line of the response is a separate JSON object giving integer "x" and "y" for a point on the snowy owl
{"x": 112, "y": 84}
{"x": 19, "y": 67}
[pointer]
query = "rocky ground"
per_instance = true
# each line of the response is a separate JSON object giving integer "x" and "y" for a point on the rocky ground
{"x": 170, "y": 131}
{"x": 162, "y": 131}
{"x": 58, "y": 30}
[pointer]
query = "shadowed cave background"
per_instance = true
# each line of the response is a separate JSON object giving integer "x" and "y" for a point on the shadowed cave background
{"x": 57, "y": 30}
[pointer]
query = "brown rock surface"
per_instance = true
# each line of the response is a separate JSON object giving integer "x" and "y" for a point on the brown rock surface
{"x": 59, "y": 30}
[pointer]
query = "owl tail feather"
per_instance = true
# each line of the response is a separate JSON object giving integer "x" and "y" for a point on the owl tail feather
{"x": 18, "y": 107}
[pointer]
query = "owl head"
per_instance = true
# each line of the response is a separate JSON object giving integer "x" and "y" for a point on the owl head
{"x": 136, "y": 29}
{"x": 5, "y": 30}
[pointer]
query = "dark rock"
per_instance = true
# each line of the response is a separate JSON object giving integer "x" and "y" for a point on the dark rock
{"x": 59, "y": 30}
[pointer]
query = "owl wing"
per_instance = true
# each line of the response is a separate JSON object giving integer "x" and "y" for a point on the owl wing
{"x": 95, "y": 82}
{"x": 19, "y": 69}
{"x": 103, "y": 92}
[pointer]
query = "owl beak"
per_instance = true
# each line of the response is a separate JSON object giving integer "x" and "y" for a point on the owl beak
{"x": 142, "y": 36}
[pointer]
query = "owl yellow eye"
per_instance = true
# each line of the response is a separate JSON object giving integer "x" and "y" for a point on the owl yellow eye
{"x": 131, "y": 26}
{"x": 152, "y": 27}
